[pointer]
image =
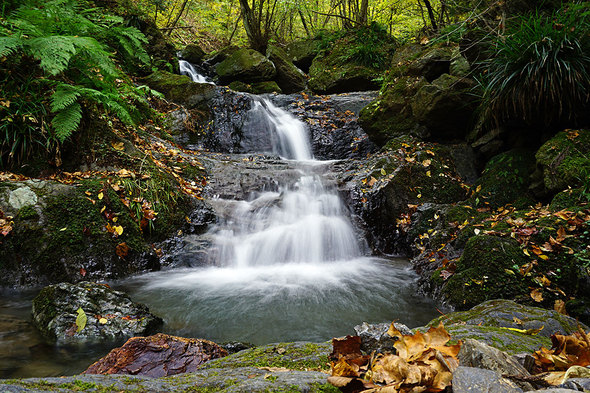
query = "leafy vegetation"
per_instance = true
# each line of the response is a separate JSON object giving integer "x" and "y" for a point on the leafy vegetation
{"x": 70, "y": 48}
{"x": 540, "y": 70}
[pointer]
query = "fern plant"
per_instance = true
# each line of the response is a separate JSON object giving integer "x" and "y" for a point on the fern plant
{"x": 75, "y": 48}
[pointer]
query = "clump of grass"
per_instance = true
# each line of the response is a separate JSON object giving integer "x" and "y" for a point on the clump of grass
{"x": 540, "y": 70}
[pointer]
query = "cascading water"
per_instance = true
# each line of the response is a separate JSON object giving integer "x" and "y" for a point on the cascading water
{"x": 187, "y": 69}
{"x": 286, "y": 264}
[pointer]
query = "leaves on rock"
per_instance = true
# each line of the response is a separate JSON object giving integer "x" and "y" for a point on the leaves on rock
{"x": 424, "y": 362}
{"x": 81, "y": 320}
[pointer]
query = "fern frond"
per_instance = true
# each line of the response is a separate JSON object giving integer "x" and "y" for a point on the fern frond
{"x": 9, "y": 45}
{"x": 66, "y": 121}
{"x": 65, "y": 95}
{"x": 54, "y": 52}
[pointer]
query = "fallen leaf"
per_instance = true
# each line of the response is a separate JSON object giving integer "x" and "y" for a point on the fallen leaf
{"x": 537, "y": 295}
{"x": 81, "y": 320}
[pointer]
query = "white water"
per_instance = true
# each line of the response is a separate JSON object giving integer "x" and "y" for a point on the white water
{"x": 187, "y": 69}
{"x": 286, "y": 264}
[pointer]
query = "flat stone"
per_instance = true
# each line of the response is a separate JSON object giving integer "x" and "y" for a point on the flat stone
{"x": 374, "y": 337}
{"x": 157, "y": 356}
{"x": 477, "y": 380}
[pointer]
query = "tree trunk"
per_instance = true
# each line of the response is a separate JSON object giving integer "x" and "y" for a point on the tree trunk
{"x": 431, "y": 14}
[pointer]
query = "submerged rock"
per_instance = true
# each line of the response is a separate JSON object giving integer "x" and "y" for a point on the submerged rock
{"x": 109, "y": 314}
{"x": 157, "y": 356}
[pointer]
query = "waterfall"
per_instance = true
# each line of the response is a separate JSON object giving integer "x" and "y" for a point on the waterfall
{"x": 302, "y": 223}
{"x": 187, "y": 69}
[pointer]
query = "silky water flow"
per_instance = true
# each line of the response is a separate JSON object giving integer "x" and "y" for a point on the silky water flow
{"x": 285, "y": 264}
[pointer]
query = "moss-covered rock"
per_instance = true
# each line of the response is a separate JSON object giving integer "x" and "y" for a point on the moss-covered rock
{"x": 245, "y": 65}
{"x": 564, "y": 160}
{"x": 487, "y": 270}
{"x": 354, "y": 62}
{"x": 506, "y": 179}
{"x": 289, "y": 78}
{"x": 193, "y": 54}
{"x": 266, "y": 87}
{"x": 241, "y": 86}
{"x": 180, "y": 89}
{"x": 390, "y": 115}
{"x": 302, "y": 52}
{"x": 55, "y": 312}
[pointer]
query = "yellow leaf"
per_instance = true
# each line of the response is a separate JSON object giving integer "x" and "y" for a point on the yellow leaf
{"x": 526, "y": 252}
{"x": 383, "y": 172}
{"x": 118, "y": 229}
{"x": 102, "y": 321}
{"x": 426, "y": 162}
{"x": 428, "y": 174}
{"x": 100, "y": 195}
{"x": 81, "y": 320}
{"x": 118, "y": 146}
{"x": 537, "y": 295}
{"x": 478, "y": 189}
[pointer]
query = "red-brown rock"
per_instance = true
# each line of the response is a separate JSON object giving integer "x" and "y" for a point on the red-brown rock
{"x": 156, "y": 356}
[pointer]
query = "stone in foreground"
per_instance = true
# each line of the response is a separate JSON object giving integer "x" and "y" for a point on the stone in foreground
{"x": 157, "y": 356}
{"x": 110, "y": 314}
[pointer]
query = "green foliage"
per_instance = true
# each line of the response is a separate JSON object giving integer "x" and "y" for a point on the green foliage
{"x": 370, "y": 47}
{"x": 73, "y": 47}
{"x": 540, "y": 71}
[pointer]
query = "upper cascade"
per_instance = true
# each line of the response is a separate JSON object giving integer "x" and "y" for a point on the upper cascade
{"x": 187, "y": 69}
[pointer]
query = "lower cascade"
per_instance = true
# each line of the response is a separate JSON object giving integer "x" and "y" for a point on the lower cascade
{"x": 285, "y": 264}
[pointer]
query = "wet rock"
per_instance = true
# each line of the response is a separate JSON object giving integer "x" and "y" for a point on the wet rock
{"x": 374, "y": 337}
{"x": 236, "y": 346}
{"x": 289, "y": 78}
{"x": 245, "y": 65}
{"x": 193, "y": 54}
{"x": 157, "y": 356}
{"x": 266, "y": 87}
{"x": 110, "y": 314}
{"x": 477, "y": 354}
{"x": 220, "y": 55}
{"x": 477, "y": 380}
{"x": 331, "y": 120}
{"x": 577, "y": 384}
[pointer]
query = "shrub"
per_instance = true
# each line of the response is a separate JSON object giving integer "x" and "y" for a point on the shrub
{"x": 66, "y": 48}
{"x": 540, "y": 71}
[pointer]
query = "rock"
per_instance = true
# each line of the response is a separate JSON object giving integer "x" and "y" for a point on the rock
{"x": 374, "y": 337}
{"x": 245, "y": 65}
{"x": 227, "y": 380}
{"x": 421, "y": 97}
{"x": 459, "y": 65}
{"x": 326, "y": 78}
{"x": 21, "y": 197}
{"x": 487, "y": 260}
{"x": 489, "y": 320}
{"x": 506, "y": 179}
{"x": 289, "y": 78}
{"x": 577, "y": 384}
{"x": 554, "y": 390}
{"x": 381, "y": 188}
{"x": 157, "y": 356}
{"x": 477, "y": 354}
{"x": 303, "y": 52}
{"x": 477, "y": 380}
{"x": 445, "y": 107}
{"x": 266, "y": 87}
{"x": 220, "y": 55}
{"x": 55, "y": 313}
{"x": 563, "y": 161}
{"x": 193, "y": 54}
{"x": 331, "y": 121}
{"x": 181, "y": 90}
{"x": 161, "y": 50}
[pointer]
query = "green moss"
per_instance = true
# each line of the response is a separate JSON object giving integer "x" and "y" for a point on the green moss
{"x": 27, "y": 213}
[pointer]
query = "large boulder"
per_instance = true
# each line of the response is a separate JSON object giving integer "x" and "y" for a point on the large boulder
{"x": 245, "y": 65}
{"x": 193, "y": 54}
{"x": 289, "y": 78}
{"x": 303, "y": 52}
{"x": 157, "y": 356}
{"x": 563, "y": 161}
{"x": 181, "y": 90}
{"x": 90, "y": 312}
{"x": 426, "y": 94}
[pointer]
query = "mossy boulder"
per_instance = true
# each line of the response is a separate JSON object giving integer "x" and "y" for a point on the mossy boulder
{"x": 416, "y": 60}
{"x": 329, "y": 76}
{"x": 181, "y": 90}
{"x": 445, "y": 107}
{"x": 564, "y": 160}
{"x": 289, "y": 78}
{"x": 303, "y": 52}
{"x": 220, "y": 55}
{"x": 245, "y": 65}
{"x": 193, "y": 54}
{"x": 492, "y": 320}
{"x": 488, "y": 269}
{"x": 256, "y": 88}
{"x": 506, "y": 179}
{"x": 110, "y": 315}
{"x": 390, "y": 115}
